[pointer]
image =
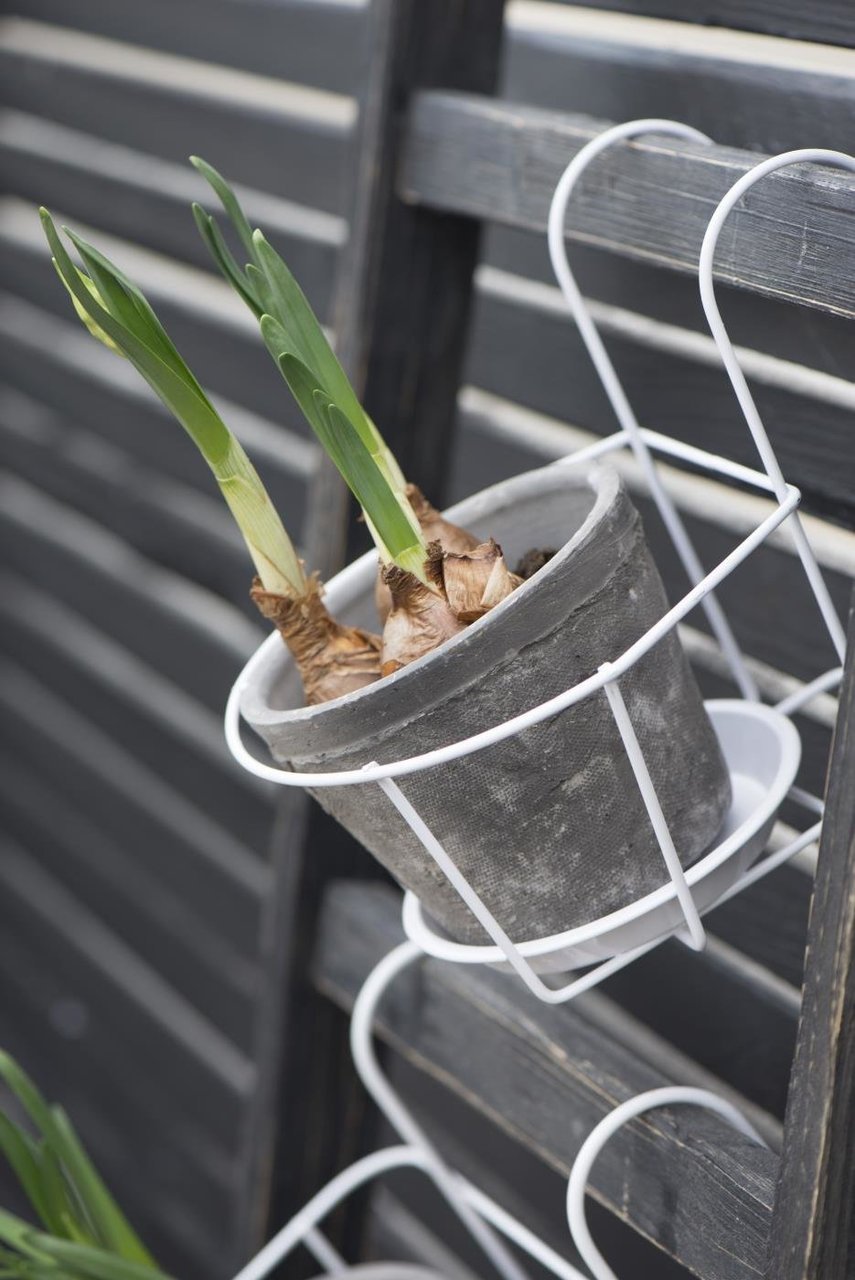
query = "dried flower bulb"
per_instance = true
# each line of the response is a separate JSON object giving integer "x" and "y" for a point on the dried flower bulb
{"x": 435, "y": 528}
{"x": 475, "y": 581}
{"x": 332, "y": 659}
{"x": 418, "y": 622}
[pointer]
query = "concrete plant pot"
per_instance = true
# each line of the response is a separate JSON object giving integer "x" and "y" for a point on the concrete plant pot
{"x": 548, "y": 825}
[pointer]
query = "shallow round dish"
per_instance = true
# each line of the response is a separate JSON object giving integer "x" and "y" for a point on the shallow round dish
{"x": 762, "y": 751}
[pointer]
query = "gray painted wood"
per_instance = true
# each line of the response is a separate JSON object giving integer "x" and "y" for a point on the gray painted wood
{"x": 547, "y": 1075}
{"x": 465, "y": 156}
{"x": 302, "y": 40}
{"x": 161, "y": 118}
{"x": 828, "y": 21}
{"x": 147, "y": 200}
{"x": 730, "y": 87}
{"x": 812, "y": 1236}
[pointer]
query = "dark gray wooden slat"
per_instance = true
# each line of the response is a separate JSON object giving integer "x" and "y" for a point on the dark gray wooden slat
{"x": 547, "y": 1075}
{"x": 147, "y": 200}
{"x": 501, "y": 162}
{"x": 400, "y": 313}
{"x": 197, "y": 961}
{"x": 550, "y": 372}
{"x": 208, "y": 1076}
{"x": 402, "y": 300}
{"x": 812, "y": 1235}
{"x": 127, "y": 1120}
{"x": 163, "y": 520}
{"x": 89, "y": 385}
{"x": 315, "y": 43}
{"x": 830, "y": 21}
{"x": 172, "y": 734}
{"x": 516, "y": 1178}
{"x": 191, "y": 853}
{"x": 73, "y": 80}
{"x": 784, "y": 898}
{"x": 723, "y": 1010}
{"x": 730, "y": 87}
{"x": 191, "y": 636}
{"x": 804, "y": 337}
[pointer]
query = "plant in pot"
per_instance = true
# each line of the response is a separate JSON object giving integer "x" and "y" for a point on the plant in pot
{"x": 547, "y": 825}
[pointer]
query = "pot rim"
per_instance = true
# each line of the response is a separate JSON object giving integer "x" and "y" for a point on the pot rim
{"x": 271, "y": 660}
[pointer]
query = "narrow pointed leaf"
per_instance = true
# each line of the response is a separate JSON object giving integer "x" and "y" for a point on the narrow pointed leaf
{"x": 94, "y": 1263}
{"x": 228, "y": 200}
{"x": 306, "y": 337}
{"x": 225, "y": 260}
{"x": 21, "y": 1152}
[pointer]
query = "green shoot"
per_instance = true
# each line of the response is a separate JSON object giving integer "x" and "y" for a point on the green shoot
{"x": 85, "y": 1232}
{"x": 317, "y": 380}
{"x": 117, "y": 313}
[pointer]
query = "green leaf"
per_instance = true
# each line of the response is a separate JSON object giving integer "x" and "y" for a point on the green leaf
{"x": 94, "y": 1263}
{"x": 306, "y": 338}
{"x": 107, "y": 1220}
{"x": 20, "y": 1235}
{"x": 229, "y": 201}
{"x": 222, "y": 255}
{"x": 22, "y": 1154}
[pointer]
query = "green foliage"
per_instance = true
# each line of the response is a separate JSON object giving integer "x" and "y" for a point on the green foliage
{"x": 85, "y": 1235}
{"x": 318, "y": 382}
{"x": 116, "y": 312}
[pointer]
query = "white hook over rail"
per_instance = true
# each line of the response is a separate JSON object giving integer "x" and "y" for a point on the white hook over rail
{"x": 816, "y": 155}
{"x": 613, "y": 386}
{"x": 592, "y": 1146}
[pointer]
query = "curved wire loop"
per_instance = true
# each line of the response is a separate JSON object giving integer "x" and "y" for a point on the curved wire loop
{"x": 614, "y": 388}
{"x": 599, "y": 1136}
{"x": 816, "y": 155}
{"x": 481, "y": 1216}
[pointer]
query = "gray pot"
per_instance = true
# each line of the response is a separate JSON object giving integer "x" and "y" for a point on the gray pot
{"x": 548, "y": 825}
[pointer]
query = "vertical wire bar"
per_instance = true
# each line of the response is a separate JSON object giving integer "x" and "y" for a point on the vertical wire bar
{"x": 614, "y": 388}
{"x": 697, "y": 934}
{"x": 837, "y": 159}
{"x": 459, "y": 882}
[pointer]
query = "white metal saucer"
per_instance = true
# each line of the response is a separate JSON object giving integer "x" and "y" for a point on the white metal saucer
{"x": 762, "y": 749}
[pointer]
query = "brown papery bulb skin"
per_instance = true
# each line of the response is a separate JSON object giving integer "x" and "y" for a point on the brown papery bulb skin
{"x": 332, "y": 659}
{"x": 473, "y": 581}
{"x": 435, "y": 528}
{"x": 418, "y": 622}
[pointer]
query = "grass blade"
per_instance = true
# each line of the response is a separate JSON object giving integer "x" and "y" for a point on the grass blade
{"x": 22, "y": 1155}
{"x": 103, "y": 1214}
{"x": 273, "y": 286}
{"x": 228, "y": 200}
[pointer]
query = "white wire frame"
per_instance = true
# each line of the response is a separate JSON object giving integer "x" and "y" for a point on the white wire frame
{"x": 486, "y": 1221}
{"x": 646, "y": 445}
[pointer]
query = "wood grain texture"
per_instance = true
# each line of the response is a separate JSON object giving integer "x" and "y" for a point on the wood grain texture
{"x": 830, "y": 21}
{"x": 313, "y": 43}
{"x": 160, "y": 116}
{"x": 501, "y": 162}
{"x": 146, "y": 200}
{"x": 546, "y": 1075}
{"x": 812, "y": 1233}
{"x": 727, "y": 84}
{"x": 400, "y": 312}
